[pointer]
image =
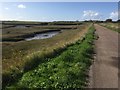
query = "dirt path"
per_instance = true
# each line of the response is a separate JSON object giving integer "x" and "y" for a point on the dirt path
{"x": 104, "y": 71}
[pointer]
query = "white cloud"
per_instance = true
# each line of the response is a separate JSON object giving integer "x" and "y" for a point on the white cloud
{"x": 21, "y": 6}
{"x": 91, "y": 15}
{"x": 114, "y": 15}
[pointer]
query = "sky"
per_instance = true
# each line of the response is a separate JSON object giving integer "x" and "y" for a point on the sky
{"x": 58, "y": 11}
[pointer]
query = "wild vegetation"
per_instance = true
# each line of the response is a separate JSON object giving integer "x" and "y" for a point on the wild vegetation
{"x": 112, "y": 26}
{"x": 66, "y": 70}
{"x": 22, "y": 56}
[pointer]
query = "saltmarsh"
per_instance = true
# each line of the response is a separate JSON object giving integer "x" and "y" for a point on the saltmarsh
{"x": 67, "y": 70}
{"x": 13, "y": 52}
{"x": 22, "y": 56}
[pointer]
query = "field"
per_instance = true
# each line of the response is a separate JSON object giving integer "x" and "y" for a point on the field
{"x": 112, "y": 26}
{"x": 20, "y": 56}
{"x": 67, "y": 70}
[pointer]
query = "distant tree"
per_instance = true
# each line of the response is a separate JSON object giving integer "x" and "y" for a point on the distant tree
{"x": 77, "y": 20}
{"x": 108, "y": 20}
{"x": 118, "y": 20}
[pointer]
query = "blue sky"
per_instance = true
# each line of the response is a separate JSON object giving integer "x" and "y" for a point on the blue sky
{"x": 59, "y": 11}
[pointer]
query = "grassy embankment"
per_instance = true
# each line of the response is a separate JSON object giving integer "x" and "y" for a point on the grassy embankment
{"x": 67, "y": 70}
{"x": 111, "y": 26}
{"x": 19, "y": 57}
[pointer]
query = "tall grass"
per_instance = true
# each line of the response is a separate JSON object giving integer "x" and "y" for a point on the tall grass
{"x": 30, "y": 62}
{"x": 67, "y": 70}
{"x": 112, "y": 26}
{"x": 33, "y": 60}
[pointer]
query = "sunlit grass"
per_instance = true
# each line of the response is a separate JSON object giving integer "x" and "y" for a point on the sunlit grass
{"x": 20, "y": 57}
{"x": 112, "y": 26}
{"x": 67, "y": 70}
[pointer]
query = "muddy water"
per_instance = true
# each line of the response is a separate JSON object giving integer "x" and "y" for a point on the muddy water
{"x": 43, "y": 35}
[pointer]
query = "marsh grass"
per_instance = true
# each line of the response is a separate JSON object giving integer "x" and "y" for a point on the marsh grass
{"x": 112, "y": 26}
{"x": 39, "y": 57}
{"x": 65, "y": 71}
{"x": 20, "y": 57}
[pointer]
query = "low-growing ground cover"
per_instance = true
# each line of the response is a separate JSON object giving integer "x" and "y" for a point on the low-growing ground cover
{"x": 67, "y": 70}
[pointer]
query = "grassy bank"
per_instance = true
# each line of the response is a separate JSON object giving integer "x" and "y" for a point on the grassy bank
{"x": 67, "y": 70}
{"x": 111, "y": 26}
{"x": 14, "y": 52}
{"x": 20, "y": 57}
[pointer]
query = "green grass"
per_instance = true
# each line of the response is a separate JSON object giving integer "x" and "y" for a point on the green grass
{"x": 20, "y": 57}
{"x": 67, "y": 70}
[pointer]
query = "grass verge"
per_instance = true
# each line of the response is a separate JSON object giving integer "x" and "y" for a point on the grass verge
{"x": 67, "y": 70}
{"x": 112, "y": 26}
